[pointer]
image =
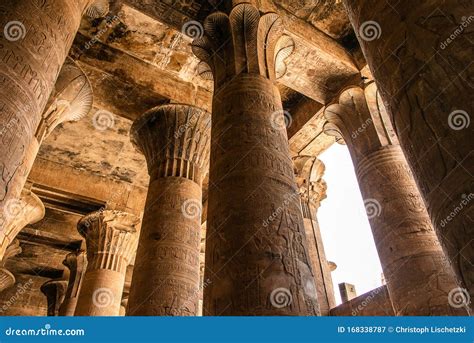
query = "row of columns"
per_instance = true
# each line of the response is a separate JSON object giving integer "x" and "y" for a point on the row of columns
{"x": 418, "y": 276}
{"x": 36, "y": 40}
{"x": 70, "y": 100}
{"x": 419, "y": 56}
{"x": 257, "y": 255}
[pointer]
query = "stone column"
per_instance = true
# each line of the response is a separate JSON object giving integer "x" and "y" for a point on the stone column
{"x": 37, "y": 36}
{"x": 7, "y": 279}
{"x": 54, "y": 290}
{"x": 77, "y": 264}
{"x": 111, "y": 238}
{"x": 123, "y": 307}
{"x": 312, "y": 188}
{"x": 256, "y": 251}
{"x": 29, "y": 209}
{"x": 175, "y": 140}
{"x": 70, "y": 100}
{"x": 418, "y": 277}
{"x": 420, "y": 54}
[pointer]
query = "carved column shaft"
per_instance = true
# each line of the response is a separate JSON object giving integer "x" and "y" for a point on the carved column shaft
{"x": 111, "y": 243}
{"x": 7, "y": 279}
{"x": 54, "y": 290}
{"x": 256, "y": 250}
{"x": 420, "y": 55}
{"x": 36, "y": 40}
{"x": 312, "y": 188}
{"x": 175, "y": 141}
{"x": 77, "y": 264}
{"x": 418, "y": 277}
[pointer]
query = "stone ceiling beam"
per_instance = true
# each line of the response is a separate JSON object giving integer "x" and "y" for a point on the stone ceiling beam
{"x": 327, "y": 66}
{"x": 134, "y": 72}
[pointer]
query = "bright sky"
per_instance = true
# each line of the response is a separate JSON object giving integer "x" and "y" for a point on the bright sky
{"x": 345, "y": 229}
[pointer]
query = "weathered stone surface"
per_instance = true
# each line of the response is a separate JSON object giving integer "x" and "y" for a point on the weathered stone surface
{"x": 28, "y": 209}
{"x": 422, "y": 64}
{"x": 312, "y": 188}
{"x": 76, "y": 262}
{"x": 256, "y": 253}
{"x": 111, "y": 242}
{"x": 175, "y": 140}
{"x": 374, "y": 303}
{"x": 37, "y": 37}
{"x": 137, "y": 54}
{"x": 419, "y": 279}
{"x": 55, "y": 291}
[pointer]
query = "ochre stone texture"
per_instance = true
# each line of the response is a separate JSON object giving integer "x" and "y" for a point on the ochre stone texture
{"x": 256, "y": 254}
{"x": 175, "y": 140}
{"x": 309, "y": 172}
{"x": 36, "y": 40}
{"x": 374, "y": 303}
{"x": 111, "y": 238}
{"x": 422, "y": 62}
{"x": 76, "y": 262}
{"x": 419, "y": 279}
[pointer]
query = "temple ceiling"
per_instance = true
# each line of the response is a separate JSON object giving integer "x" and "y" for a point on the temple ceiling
{"x": 137, "y": 57}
